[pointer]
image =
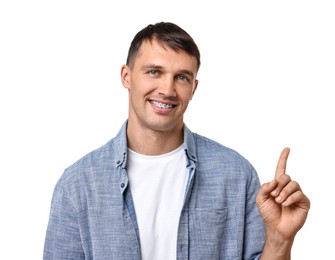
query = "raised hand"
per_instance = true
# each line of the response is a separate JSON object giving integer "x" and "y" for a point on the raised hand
{"x": 282, "y": 204}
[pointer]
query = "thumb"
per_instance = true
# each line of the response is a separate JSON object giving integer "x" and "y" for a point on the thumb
{"x": 264, "y": 192}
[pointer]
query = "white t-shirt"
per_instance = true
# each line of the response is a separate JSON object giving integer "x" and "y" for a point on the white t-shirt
{"x": 157, "y": 184}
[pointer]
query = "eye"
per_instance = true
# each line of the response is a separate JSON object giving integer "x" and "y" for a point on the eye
{"x": 183, "y": 78}
{"x": 153, "y": 72}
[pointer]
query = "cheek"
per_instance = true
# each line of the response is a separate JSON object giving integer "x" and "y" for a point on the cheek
{"x": 143, "y": 86}
{"x": 186, "y": 94}
{"x": 139, "y": 93}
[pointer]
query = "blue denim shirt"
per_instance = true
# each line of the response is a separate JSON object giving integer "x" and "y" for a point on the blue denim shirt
{"x": 92, "y": 213}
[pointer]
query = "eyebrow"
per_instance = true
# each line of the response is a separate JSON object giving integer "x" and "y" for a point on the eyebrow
{"x": 151, "y": 66}
{"x": 187, "y": 72}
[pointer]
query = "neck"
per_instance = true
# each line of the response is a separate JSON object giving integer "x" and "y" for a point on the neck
{"x": 153, "y": 142}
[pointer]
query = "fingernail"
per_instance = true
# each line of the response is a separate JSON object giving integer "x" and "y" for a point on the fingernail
{"x": 279, "y": 199}
{"x": 274, "y": 193}
{"x": 285, "y": 203}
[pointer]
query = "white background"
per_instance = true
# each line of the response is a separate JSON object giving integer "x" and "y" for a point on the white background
{"x": 266, "y": 82}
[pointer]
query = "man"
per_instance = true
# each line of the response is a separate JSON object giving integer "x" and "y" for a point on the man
{"x": 159, "y": 191}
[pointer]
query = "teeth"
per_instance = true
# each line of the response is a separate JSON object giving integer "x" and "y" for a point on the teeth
{"x": 161, "y": 105}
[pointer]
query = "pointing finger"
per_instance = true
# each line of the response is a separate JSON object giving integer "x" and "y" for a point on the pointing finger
{"x": 281, "y": 165}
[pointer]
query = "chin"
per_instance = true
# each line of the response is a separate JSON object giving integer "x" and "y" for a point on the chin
{"x": 166, "y": 126}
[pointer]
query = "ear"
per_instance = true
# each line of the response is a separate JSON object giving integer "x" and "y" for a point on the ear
{"x": 194, "y": 88}
{"x": 125, "y": 76}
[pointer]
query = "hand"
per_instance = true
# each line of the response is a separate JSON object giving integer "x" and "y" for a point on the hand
{"x": 282, "y": 204}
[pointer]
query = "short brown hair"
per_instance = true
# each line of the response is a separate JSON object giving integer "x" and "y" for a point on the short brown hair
{"x": 168, "y": 34}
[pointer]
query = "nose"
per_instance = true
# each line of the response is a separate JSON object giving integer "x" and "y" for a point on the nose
{"x": 167, "y": 87}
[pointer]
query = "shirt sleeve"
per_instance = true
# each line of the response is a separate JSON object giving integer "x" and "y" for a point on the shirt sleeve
{"x": 63, "y": 240}
{"x": 254, "y": 237}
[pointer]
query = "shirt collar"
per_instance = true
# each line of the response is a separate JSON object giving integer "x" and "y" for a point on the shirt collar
{"x": 122, "y": 147}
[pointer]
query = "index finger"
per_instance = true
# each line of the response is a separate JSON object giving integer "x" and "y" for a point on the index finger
{"x": 281, "y": 165}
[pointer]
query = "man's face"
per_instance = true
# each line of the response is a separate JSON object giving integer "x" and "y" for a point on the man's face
{"x": 161, "y": 82}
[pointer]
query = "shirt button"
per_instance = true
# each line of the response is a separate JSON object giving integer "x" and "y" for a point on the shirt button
{"x": 122, "y": 185}
{"x": 193, "y": 157}
{"x": 117, "y": 162}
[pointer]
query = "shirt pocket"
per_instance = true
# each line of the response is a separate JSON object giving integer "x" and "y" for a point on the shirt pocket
{"x": 217, "y": 231}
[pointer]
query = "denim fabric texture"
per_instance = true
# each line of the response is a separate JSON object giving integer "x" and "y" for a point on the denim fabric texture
{"x": 92, "y": 214}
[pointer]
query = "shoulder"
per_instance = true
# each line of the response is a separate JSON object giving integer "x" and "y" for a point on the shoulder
{"x": 88, "y": 165}
{"x": 208, "y": 148}
{"x": 221, "y": 160}
{"x": 208, "y": 151}
{"x": 100, "y": 161}
{"x": 95, "y": 165}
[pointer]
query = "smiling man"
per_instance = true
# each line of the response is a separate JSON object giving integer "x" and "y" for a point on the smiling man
{"x": 158, "y": 190}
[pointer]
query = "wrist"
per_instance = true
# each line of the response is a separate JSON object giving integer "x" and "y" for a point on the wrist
{"x": 277, "y": 247}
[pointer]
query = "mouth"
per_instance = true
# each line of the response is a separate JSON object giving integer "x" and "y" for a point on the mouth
{"x": 161, "y": 105}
